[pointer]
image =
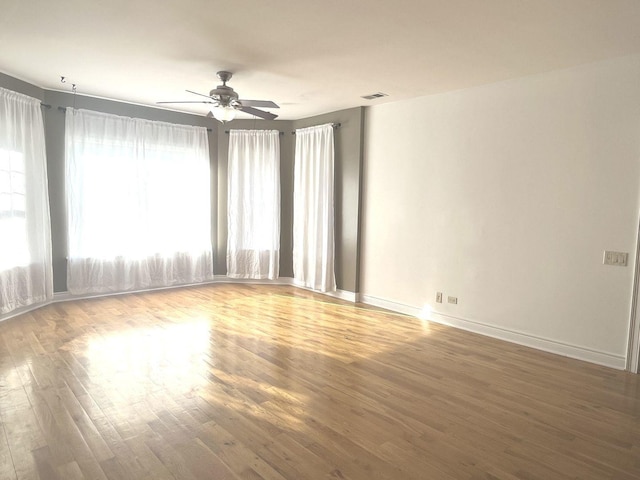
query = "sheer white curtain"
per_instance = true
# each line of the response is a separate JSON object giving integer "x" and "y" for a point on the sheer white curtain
{"x": 25, "y": 228}
{"x": 138, "y": 203}
{"x": 253, "y": 248}
{"x": 313, "y": 222}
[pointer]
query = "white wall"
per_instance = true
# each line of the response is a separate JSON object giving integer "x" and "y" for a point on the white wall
{"x": 506, "y": 196}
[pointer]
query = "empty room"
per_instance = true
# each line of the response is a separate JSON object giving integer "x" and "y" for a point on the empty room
{"x": 319, "y": 240}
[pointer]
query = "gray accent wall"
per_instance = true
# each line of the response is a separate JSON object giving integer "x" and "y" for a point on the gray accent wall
{"x": 348, "y": 169}
{"x": 20, "y": 86}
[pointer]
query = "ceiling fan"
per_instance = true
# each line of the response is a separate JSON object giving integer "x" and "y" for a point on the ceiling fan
{"x": 226, "y": 103}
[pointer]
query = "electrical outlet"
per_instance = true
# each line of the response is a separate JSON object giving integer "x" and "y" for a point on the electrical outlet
{"x": 453, "y": 300}
{"x": 438, "y": 297}
{"x": 618, "y": 259}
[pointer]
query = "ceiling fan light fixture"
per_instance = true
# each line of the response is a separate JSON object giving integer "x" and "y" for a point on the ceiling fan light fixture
{"x": 223, "y": 114}
{"x": 226, "y": 102}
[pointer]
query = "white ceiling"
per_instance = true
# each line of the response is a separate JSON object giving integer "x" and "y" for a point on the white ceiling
{"x": 309, "y": 56}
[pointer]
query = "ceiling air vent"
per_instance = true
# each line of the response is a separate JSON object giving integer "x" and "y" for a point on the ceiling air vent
{"x": 373, "y": 96}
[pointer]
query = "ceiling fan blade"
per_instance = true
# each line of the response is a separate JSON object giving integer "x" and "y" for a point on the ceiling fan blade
{"x": 258, "y": 113}
{"x": 190, "y": 101}
{"x": 259, "y": 103}
{"x": 201, "y": 94}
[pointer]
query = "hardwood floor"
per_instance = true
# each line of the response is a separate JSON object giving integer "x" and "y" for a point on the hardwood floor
{"x": 257, "y": 382}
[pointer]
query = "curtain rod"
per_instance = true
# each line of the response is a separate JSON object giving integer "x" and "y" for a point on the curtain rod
{"x": 334, "y": 125}
{"x": 64, "y": 109}
{"x": 227, "y": 132}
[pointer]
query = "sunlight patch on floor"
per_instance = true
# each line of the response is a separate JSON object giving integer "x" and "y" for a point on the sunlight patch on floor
{"x": 143, "y": 358}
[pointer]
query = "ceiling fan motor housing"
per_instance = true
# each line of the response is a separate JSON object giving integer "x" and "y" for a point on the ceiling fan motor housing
{"x": 226, "y": 95}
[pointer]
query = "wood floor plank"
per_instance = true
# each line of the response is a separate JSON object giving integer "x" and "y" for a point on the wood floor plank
{"x": 45, "y": 464}
{"x": 235, "y": 454}
{"x": 40, "y": 421}
{"x": 172, "y": 460}
{"x": 71, "y": 471}
{"x": 254, "y": 382}
{"x": 148, "y": 461}
{"x": 25, "y": 464}
{"x": 84, "y": 425}
{"x": 7, "y": 470}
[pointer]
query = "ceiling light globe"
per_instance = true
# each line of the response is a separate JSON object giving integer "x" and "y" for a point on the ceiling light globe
{"x": 224, "y": 114}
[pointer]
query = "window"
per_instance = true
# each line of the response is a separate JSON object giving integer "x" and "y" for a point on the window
{"x": 13, "y": 241}
{"x": 138, "y": 202}
{"x": 25, "y": 229}
{"x": 313, "y": 214}
{"x": 253, "y": 246}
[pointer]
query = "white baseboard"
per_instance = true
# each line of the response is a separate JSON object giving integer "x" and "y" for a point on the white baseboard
{"x": 22, "y": 310}
{"x": 390, "y": 305}
{"x": 344, "y": 295}
{"x": 289, "y": 281}
{"x": 67, "y": 297}
{"x": 340, "y": 294}
{"x": 552, "y": 346}
{"x": 255, "y": 281}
